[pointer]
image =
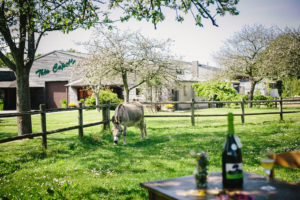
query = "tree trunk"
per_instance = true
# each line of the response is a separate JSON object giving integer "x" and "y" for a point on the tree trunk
{"x": 124, "y": 77}
{"x": 97, "y": 101}
{"x": 23, "y": 100}
{"x": 149, "y": 96}
{"x": 251, "y": 92}
{"x": 279, "y": 87}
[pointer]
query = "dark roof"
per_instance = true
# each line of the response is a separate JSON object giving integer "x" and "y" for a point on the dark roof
{"x": 7, "y": 75}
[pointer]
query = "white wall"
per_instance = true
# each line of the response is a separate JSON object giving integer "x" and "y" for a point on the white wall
{"x": 72, "y": 95}
{"x": 134, "y": 97}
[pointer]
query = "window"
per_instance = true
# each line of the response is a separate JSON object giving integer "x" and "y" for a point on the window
{"x": 236, "y": 87}
{"x": 83, "y": 93}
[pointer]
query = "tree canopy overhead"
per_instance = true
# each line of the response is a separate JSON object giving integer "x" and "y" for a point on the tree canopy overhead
{"x": 23, "y": 23}
{"x": 154, "y": 10}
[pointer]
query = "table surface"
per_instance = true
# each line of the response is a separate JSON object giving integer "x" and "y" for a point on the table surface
{"x": 184, "y": 188}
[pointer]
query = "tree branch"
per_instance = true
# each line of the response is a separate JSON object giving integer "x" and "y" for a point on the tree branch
{"x": 39, "y": 39}
{"x": 6, "y": 32}
{"x": 206, "y": 12}
{"x": 22, "y": 30}
{"x": 140, "y": 83}
{"x": 7, "y": 62}
{"x": 31, "y": 50}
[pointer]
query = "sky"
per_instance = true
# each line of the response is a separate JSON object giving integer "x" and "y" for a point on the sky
{"x": 190, "y": 42}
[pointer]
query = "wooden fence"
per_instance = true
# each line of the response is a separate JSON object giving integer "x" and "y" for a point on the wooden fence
{"x": 106, "y": 116}
{"x": 105, "y": 121}
{"x": 242, "y": 104}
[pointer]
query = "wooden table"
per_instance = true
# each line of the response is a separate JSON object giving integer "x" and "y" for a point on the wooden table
{"x": 184, "y": 188}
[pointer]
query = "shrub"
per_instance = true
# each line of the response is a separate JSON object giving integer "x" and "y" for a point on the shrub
{"x": 64, "y": 103}
{"x": 291, "y": 87}
{"x": 104, "y": 95}
{"x": 217, "y": 91}
{"x": 90, "y": 101}
{"x": 261, "y": 97}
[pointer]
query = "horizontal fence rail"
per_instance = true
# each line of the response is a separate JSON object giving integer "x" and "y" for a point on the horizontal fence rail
{"x": 105, "y": 121}
{"x": 242, "y": 105}
{"x": 106, "y": 115}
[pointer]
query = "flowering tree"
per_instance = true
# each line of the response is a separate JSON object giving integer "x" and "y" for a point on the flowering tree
{"x": 90, "y": 70}
{"x": 242, "y": 54}
{"x": 281, "y": 60}
{"x": 131, "y": 58}
{"x": 282, "y": 57}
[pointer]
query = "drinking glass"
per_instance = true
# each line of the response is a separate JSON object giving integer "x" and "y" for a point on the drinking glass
{"x": 268, "y": 165}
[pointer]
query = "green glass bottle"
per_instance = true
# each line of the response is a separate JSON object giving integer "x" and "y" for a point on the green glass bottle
{"x": 232, "y": 166}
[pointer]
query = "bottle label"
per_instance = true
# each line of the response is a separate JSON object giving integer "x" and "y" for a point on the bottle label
{"x": 233, "y": 147}
{"x": 238, "y": 142}
{"x": 234, "y": 170}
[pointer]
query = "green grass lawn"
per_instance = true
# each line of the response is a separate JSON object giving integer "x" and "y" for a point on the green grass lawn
{"x": 95, "y": 169}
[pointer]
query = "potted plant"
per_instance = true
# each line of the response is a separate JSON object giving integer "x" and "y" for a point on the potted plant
{"x": 1, "y": 104}
{"x": 64, "y": 103}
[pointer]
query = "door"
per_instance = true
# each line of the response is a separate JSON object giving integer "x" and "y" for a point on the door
{"x": 55, "y": 92}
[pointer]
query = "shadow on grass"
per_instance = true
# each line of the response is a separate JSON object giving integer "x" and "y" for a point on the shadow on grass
{"x": 6, "y": 135}
{"x": 129, "y": 193}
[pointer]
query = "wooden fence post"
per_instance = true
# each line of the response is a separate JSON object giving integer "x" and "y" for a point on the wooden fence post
{"x": 108, "y": 115}
{"x": 193, "y": 112}
{"x": 80, "y": 121}
{"x": 105, "y": 115}
{"x": 243, "y": 111}
{"x": 43, "y": 125}
{"x": 280, "y": 109}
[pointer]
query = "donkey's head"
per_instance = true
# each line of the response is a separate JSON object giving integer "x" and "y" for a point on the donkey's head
{"x": 116, "y": 130}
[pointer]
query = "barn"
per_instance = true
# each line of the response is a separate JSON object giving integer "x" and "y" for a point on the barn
{"x": 51, "y": 81}
{"x": 48, "y": 81}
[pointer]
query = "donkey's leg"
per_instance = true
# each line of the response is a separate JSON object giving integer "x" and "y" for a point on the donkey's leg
{"x": 142, "y": 130}
{"x": 145, "y": 131}
{"x": 124, "y": 134}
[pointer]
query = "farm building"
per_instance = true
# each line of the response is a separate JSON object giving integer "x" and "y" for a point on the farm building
{"x": 48, "y": 78}
{"x": 51, "y": 81}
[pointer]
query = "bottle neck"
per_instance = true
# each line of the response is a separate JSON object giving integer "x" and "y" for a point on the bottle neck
{"x": 230, "y": 124}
